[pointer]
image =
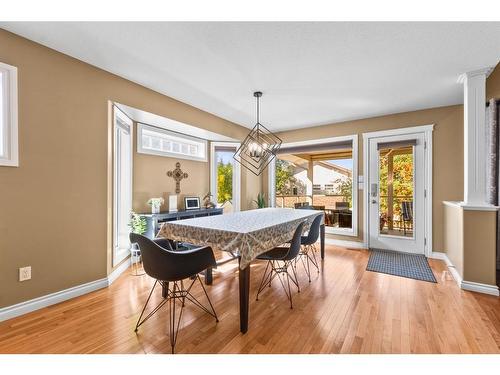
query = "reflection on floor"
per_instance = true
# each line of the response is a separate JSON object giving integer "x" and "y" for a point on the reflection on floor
{"x": 345, "y": 309}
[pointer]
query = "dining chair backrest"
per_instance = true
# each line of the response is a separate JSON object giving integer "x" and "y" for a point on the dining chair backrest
{"x": 157, "y": 261}
{"x": 407, "y": 210}
{"x": 313, "y": 234}
{"x": 299, "y": 204}
{"x": 341, "y": 205}
{"x": 295, "y": 243}
{"x": 318, "y": 208}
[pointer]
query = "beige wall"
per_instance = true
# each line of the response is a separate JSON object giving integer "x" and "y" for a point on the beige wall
{"x": 447, "y": 154}
{"x": 54, "y": 212}
{"x": 493, "y": 84}
{"x": 479, "y": 229}
{"x": 470, "y": 243}
{"x": 151, "y": 180}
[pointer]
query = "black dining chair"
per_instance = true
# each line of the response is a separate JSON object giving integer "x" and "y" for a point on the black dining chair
{"x": 308, "y": 249}
{"x": 279, "y": 262}
{"x": 407, "y": 215}
{"x": 169, "y": 268}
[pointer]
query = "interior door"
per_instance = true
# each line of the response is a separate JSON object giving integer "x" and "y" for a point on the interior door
{"x": 396, "y": 193}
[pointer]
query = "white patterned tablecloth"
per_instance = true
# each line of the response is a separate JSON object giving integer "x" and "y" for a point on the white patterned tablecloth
{"x": 247, "y": 233}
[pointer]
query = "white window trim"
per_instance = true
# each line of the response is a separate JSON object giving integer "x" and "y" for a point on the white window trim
{"x": 11, "y": 159}
{"x": 353, "y": 232}
{"x": 120, "y": 254}
{"x": 427, "y": 131}
{"x": 236, "y": 175}
{"x": 141, "y": 150}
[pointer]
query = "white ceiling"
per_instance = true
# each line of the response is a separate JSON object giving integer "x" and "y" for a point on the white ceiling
{"x": 310, "y": 73}
{"x": 149, "y": 118}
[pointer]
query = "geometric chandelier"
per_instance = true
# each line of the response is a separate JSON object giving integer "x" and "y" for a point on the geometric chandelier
{"x": 259, "y": 147}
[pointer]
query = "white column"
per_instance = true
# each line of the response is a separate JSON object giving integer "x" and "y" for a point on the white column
{"x": 475, "y": 137}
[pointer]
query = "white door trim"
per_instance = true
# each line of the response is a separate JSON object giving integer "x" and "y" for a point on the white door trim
{"x": 426, "y": 130}
{"x": 236, "y": 175}
{"x": 119, "y": 255}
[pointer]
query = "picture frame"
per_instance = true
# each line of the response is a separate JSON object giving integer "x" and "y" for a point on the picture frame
{"x": 172, "y": 203}
{"x": 192, "y": 203}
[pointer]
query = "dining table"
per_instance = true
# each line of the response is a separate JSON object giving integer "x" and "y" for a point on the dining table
{"x": 246, "y": 234}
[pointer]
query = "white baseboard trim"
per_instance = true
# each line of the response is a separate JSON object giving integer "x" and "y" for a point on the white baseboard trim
{"x": 51, "y": 299}
{"x": 480, "y": 288}
{"x": 118, "y": 271}
{"x": 344, "y": 243}
{"x": 25, "y": 307}
{"x": 451, "y": 267}
{"x": 463, "y": 284}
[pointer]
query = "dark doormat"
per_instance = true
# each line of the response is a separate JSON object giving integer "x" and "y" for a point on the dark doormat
{"x": 412, "y": 266}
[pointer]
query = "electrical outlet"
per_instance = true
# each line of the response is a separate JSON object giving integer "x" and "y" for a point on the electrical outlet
{"x": 25, "y": 273}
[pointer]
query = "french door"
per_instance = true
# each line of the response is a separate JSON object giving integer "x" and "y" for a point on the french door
{"x": 396, "y": 196}
{"x": 122, "y": 184}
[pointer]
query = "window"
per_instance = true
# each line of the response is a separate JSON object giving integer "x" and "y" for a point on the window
{"x": 320, "y": 173}
{"x": 225, "y": 176}
{"x": 161, "y": 142}
{"x": 8, "y": 116}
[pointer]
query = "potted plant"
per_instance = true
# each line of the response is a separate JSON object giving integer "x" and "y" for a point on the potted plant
{"x": 138, "y": 225}
{"x": 155, "y": 204}
{"x": 260, "y": 201}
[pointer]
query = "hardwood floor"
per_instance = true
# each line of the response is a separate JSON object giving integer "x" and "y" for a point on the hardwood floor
{"x": 345, "y": 309}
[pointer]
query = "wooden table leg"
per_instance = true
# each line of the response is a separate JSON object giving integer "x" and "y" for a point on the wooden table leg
{"x": 322, "y": 240}
{"x": 244, "y": 279}
{"x": 208, "y": 276}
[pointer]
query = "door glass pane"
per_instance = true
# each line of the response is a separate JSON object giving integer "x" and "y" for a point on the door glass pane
{"x": 224, "y": 160}
{"x": 397, "y": 183}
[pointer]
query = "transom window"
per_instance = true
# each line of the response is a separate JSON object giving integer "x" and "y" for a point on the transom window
{"x": 161, "y": 142}
{"x": 8, "y": 116}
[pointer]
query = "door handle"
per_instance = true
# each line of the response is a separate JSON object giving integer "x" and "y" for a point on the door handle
{"x": 374, "y": 201}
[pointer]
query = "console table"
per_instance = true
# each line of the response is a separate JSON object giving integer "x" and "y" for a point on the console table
{"x": 155, "y": 221}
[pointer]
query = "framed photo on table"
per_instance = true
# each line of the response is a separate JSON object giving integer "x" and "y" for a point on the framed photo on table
{"x": 192, "y": 203}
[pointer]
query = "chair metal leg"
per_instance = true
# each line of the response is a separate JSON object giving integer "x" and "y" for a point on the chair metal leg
{"x": 174, "y": 324}
{"x": 178, "y": 292}
{"x": 139, "y": 322}
{"x": 281, "y": 272}
{"x": 294, "y": 270}
{"x": 313, "y": 258}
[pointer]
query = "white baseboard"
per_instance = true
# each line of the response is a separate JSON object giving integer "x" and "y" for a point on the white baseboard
{"x": 344, "y": 243}
{"x": 463, "y": 284}
{"x": 118, "y": 271}
{"x": 480, "y": 288}
{"x": 51, "y": 299}
{"x": 61, "y": 296}
{"x": 451, "y": 267}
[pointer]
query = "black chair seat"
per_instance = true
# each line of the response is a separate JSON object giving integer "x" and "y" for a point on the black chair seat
{"x": 278, "y": 253}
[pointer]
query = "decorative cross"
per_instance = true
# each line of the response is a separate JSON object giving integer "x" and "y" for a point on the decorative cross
{"x": 177, "y": 174}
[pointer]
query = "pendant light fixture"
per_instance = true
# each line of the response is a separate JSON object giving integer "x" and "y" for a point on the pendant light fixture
{"x": 259, "y": 147}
